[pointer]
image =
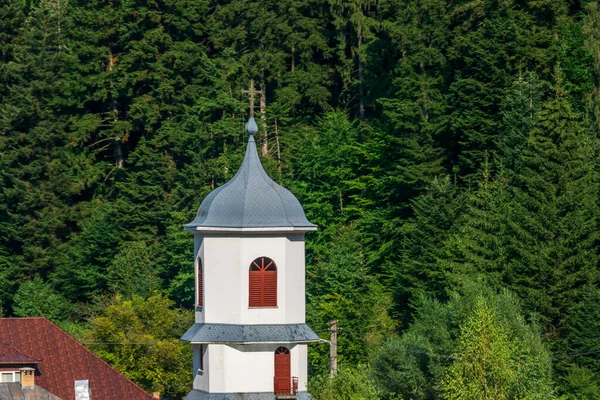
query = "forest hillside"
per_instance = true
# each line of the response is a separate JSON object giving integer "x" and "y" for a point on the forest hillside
{"x": 447, "y": 149}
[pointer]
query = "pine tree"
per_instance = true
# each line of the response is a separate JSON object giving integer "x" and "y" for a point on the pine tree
{"x": 415, "y": 259}
{"x": 402, "y": 148}
{"x": 483, "y": 366}
{"x": 454, "y": 348}
{"x": 478, "y": 245}
{"x": 518, "y": 119}
{"x": 36, "y": 298}
{"x": 340, "y": 286}
{"x": 553, "y": 220}
{"x": 577, "y": 360}
{"x": 327, "y": 159}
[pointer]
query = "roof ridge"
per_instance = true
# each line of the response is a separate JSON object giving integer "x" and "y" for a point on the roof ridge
{"x": 20, "y": 353}
{"x": 62, "y": 332}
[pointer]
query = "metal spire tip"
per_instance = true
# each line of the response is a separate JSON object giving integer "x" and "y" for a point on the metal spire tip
{"x": 251, "y": 127}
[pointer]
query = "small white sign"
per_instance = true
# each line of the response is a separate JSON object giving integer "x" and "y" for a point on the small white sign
{"x": 82, "y": 390}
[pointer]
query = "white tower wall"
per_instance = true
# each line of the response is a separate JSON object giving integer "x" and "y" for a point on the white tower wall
{"x": 247, "y": 368}
{"x": 226, "y": 261}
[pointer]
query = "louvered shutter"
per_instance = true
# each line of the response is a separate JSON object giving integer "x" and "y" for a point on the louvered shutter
{"x": 200, "y": 285}
{"x": 270, "y": 288}
{"x": 255, "y": 286}
{"x": 262, "y": 283}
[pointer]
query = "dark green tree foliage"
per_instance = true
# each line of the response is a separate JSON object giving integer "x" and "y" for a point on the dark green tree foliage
{"x": 578, "y": 360}
{"x": 485, "y": 39}
{"x": 402, "y": 151}
{"x": 341, "y": 288}
{"x": 518, "y": 119}
{"x": 82, "y": 270}
{"x": 479, "y": 244}
{"x": 117, "y": 118}
{"x": 554, "y": 226}
{"x": 575, "y": 63}
{"x": 328, "y": 160}
{"x": 592, "y": 44}
{"x": 417, "y": 268}
{"x": 407, "y": 150}
{"x": 425, "y": 361}
{"x": 492, "y": 41}
{"x": 133, "y": 271}
{"x": 45, "y": 173}
{"x": 277, "y": 44}
{"x": 38, "y": 299}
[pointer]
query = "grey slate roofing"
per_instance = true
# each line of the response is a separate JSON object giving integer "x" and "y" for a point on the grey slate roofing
{"x": 229, "y": 333}
{"x": 250, "y": 199}
{"x": 199, "y": 395}
{"x": 14, "y": 391}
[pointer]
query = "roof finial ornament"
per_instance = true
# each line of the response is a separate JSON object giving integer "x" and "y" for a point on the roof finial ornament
{"x": 251, "y": 126}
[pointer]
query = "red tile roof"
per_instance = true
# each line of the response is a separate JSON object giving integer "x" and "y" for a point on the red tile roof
{"x": 64, "y": 360}
{"x": 12, "y": 356}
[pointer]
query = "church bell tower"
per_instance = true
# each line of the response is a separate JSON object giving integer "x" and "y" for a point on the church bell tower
{"x": 250, "y": 335}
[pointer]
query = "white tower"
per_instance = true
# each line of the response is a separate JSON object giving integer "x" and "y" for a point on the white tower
{"x": 250, "y": 336}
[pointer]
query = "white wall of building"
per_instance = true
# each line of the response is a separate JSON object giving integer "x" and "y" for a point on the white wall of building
{"x": 226, "y": 261}
{"x": 247, "y": 368}
{"x": 198, "y": 251}
{"x": 201, "y": 375}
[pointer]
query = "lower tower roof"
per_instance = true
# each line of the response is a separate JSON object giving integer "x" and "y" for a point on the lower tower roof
{"x": 246, "y": 334}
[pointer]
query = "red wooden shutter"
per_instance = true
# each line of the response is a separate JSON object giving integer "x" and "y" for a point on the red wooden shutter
{"x": 270, "y": 288}
{"x": 200, "y": 284}
{"x": 262, "y": 283}
{"x": 255, "y": 299}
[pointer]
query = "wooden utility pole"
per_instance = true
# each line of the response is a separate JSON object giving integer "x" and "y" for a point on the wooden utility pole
{"x": 333, "y": 347}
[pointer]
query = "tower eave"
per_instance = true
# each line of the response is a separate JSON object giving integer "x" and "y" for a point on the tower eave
{"x": 213, "y": 333}
{"x": 273, "y": 229}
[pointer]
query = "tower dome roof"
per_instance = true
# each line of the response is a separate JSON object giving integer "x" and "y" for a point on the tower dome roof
{"x": 251, "y": 199}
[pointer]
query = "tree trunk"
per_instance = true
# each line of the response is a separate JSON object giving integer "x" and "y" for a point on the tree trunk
{"x": 361, "y": 89}
{"x": 263, "y": 122}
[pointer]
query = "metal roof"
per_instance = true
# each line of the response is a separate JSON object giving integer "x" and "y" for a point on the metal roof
{"x": 229, "y": 333}
{"x": 14, "y": 391}
{"x": 251, "y": 199}
{"x": 200, "y": 395}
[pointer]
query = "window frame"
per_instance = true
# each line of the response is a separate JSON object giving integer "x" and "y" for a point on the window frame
{"x": 262, "y": 283}
{"x": 199, "y": 284}
{"x": 16, "y": 376}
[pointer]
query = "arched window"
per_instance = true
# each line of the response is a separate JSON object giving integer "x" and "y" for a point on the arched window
{"x": 263, "y": 283}
{"x": 200, "y": 285}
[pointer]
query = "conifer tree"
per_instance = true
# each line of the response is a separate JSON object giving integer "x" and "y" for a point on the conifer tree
{"x": 577, "y": 362}
{"x": 553, "y": 217}
{"x": 36, "y": 298}
{"x": 405, "y": 150}
{"x": 518, "y": 119}
{"x": 416, "y": 259}
{"x": 478, "y": 245}
{"x": 442, "y": 354}
{"x": 483, "y": 368}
